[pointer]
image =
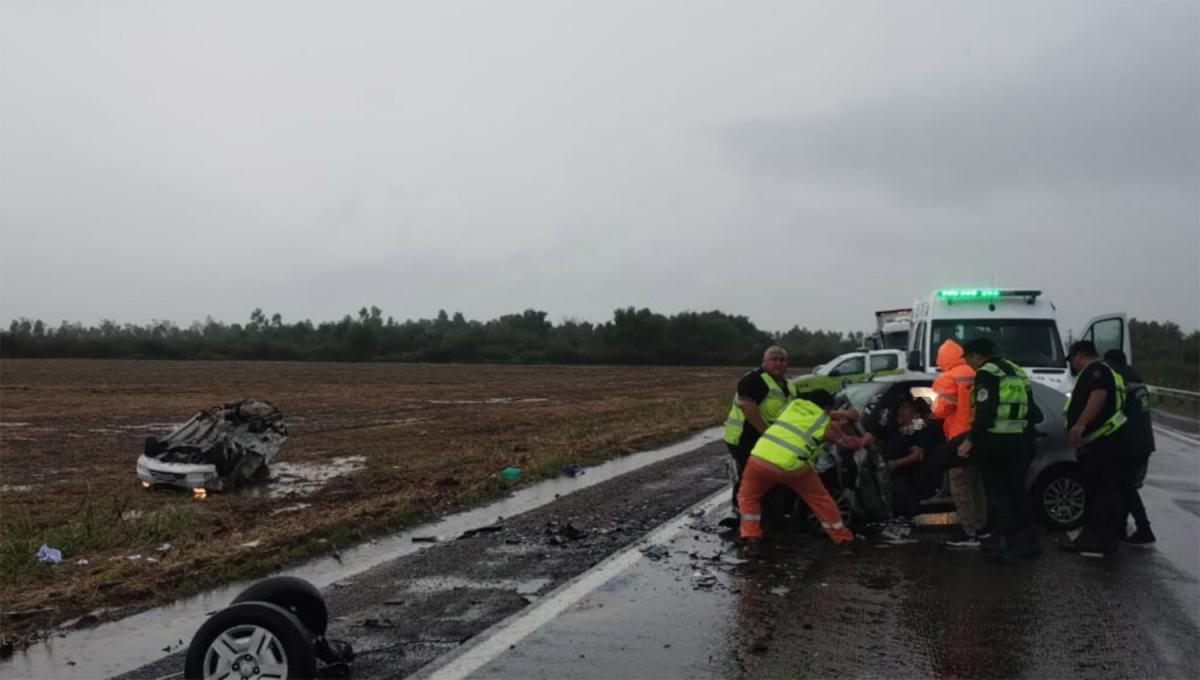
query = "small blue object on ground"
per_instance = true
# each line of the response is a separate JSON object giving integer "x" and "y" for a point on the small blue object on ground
{"x": 48, "y": 555}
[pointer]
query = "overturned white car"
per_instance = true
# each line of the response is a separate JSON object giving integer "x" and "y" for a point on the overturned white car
{"x": 222, "y": 447}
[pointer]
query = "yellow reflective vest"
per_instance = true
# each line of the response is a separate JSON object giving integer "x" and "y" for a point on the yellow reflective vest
{"x": 795, "y": 437}
{"x": 777, "y": 399}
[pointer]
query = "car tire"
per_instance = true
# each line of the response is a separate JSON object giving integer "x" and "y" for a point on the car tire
{"x": 1059, "y": 500}
{"x": 266, "y": 636}
{"x": 296, "y": 595}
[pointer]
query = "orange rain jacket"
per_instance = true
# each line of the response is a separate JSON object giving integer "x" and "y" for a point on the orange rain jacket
{"x": 953, "y": 388}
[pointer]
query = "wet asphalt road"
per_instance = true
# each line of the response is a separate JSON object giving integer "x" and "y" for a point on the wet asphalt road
{"x": 809, "y": 609}
{"x": 693, "y": 608}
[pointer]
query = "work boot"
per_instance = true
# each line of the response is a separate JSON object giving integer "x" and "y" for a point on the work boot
{"x": 1142, "y": 538}
{"x": 752, "y": 548}
{"x": 730, "y": 522}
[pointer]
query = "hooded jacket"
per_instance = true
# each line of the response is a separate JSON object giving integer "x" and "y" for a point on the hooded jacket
{"x": 953, "y": 389}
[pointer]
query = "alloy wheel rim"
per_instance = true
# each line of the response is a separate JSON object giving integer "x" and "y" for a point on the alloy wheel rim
{"x": 246, "y": 652}
{"x": 1064, "y": 500}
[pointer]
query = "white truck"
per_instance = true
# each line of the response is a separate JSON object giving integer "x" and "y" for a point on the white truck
{"x": 1019, "y": 320}
{"x": 892, "y": 327}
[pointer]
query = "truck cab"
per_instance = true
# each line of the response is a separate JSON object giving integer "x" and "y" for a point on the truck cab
{"x": 1020, "y": 321}
{"x": 852, "y": 367}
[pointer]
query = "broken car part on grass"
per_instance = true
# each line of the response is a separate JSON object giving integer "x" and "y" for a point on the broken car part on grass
{"x": 222, "y": 447}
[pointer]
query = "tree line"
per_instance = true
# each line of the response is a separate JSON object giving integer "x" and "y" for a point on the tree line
{"x": 633, "y": 336}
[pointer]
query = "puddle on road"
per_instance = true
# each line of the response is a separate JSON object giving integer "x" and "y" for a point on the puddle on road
{"x": 121, "y": 646}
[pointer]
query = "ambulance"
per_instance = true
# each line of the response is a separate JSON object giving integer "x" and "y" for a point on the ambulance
{"x": 1020, "y": 321}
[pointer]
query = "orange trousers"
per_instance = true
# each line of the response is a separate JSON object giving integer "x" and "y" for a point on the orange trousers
{"x": 760, "y": 476}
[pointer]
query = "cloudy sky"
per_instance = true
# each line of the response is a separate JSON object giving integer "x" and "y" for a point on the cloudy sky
{"x": 800, "y": 163}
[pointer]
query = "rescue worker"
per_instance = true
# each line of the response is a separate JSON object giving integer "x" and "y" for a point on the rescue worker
{"x": 1095, "y": 425}
{"x": 761, "y": 396}
{"x": 953, "y": 407}
{"x": 1001, "y": 444}
{"x": 784, "y": 455}
{"x": 1139, "y": 443}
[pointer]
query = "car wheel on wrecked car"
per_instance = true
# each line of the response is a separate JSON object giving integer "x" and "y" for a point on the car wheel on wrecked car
{"x": 1059, "y": 499}
{"x": 251, "y": 640}
{"x": 296, "y": 595}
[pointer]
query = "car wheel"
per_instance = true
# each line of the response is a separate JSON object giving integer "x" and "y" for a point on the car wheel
{"x": 251, "y": 640}
{"x": 1059, "y": 499}
{"x": 296, "y": 595}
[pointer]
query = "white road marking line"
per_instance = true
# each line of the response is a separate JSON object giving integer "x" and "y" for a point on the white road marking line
{"x": 1174, "y": 434}
{"x": 497, "y": 640}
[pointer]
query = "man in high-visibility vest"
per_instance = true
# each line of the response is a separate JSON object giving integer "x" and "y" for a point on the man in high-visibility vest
{"x": 1000, "y": 443}
{"x": 784, "y": 456}
{"x": 1139, "y": 444}
{"x": 761, "y": 396}
{"x": 1096, "y": 428}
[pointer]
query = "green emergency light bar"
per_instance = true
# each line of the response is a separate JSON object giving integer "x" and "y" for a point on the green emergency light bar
{"x": 966, "y": 294}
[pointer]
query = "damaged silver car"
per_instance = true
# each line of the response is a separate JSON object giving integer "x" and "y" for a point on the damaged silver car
{"x": 219, "y": 448}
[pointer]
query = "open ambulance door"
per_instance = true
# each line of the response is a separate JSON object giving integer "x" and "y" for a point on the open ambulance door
{"x": 1110, "y": 331}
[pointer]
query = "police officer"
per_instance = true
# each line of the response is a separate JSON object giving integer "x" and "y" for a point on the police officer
{"x": 1095, "y": 420}
{"x": 1139, "y": 444}
{"x": 1000, "y": 444}
{"x": 761, "y": 396}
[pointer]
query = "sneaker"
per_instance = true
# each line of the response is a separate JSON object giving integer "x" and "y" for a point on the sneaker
{"x": 1142, "y": 538}
{"x": 962, "y": 539}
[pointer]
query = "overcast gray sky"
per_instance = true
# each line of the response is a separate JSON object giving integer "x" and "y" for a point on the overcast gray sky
{"x": 800, "y": 163}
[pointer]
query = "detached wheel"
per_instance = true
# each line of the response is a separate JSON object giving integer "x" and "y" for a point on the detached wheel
{"x": 251, "y": 641}
{"x": 1059, "y": 499}
{"x": 296, "y": 595}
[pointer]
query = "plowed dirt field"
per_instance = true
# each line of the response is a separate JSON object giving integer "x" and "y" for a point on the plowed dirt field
{"x": 373, "y": 447}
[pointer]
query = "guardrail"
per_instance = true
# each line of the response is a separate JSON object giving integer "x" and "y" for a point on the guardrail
{"x": 1174, "y": 393}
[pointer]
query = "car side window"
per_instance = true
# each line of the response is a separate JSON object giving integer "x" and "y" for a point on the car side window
{"x": 884, "y": 362}
{"x": 849, "y": 367}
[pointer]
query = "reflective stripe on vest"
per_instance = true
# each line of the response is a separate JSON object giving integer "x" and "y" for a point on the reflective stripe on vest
{"x": 794, "y": 438}
{"x": 776, "y": 400}
{"x": 1012, "y": 414}
{"x": 1117, "y": 419}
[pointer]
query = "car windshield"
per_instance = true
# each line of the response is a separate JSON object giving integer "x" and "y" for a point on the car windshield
{"x": 1026, "y": 342}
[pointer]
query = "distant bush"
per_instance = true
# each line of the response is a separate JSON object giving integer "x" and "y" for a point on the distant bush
{"x": 633, "y": 336}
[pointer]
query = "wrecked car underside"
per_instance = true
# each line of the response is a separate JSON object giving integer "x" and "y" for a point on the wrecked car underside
{"x": 222, "y": 447}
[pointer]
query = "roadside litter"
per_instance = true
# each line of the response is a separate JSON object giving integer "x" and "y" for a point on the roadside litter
{"x": 48, "y": 555}
{"x": 510, "y": 474}
{"x": 571, "y": 470}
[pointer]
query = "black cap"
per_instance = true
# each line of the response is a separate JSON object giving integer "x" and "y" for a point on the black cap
{"x": 1116, "y": 358}
{"x": 1085, "y": 347}
{"x": 983, "y": 347}
{"x": 821, "y": 398}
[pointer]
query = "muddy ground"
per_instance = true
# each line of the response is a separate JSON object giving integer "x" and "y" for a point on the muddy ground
{"x": 403, "y": 614}
{"x": 373, "y": 447}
